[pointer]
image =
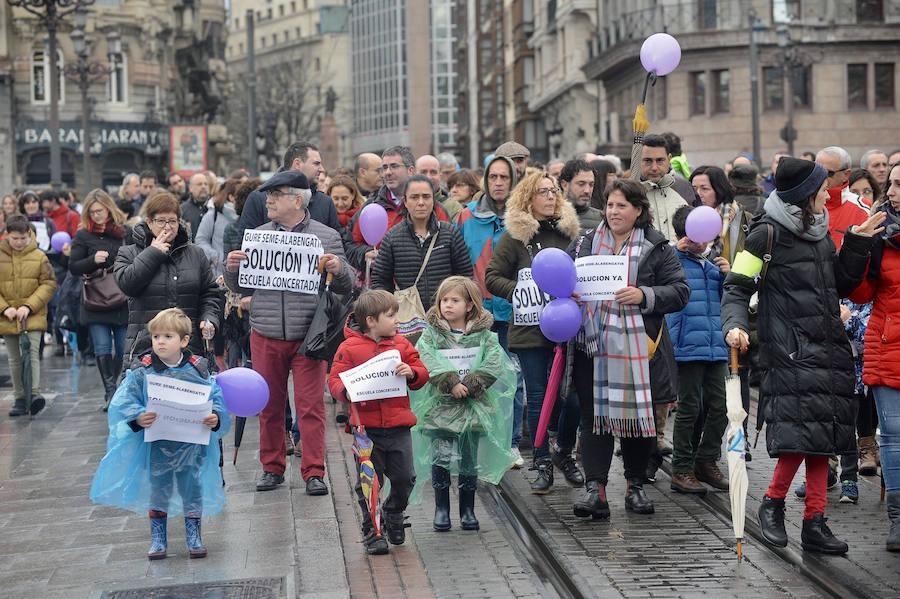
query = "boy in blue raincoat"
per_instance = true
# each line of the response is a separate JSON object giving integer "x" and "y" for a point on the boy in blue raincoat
{"x": 142, "y": 477}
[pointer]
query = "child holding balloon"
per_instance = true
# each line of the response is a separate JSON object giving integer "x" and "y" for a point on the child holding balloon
{"x": 464, "y": 406}
{"x": 141, "y": 476}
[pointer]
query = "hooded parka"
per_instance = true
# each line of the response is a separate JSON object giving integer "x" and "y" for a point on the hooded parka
{"x": 26, "y": 279}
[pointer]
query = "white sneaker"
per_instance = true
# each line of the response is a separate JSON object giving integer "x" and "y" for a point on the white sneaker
{"x": 520, "y": 461}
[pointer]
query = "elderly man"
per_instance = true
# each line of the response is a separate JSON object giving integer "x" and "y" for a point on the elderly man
{"x": 368, "y": 173}
{"x": 130, "y": 194}
{"x": 279, "y": 321}
{"x": 555, "y": 167}
{"x": 876, "y": 162}
{"x": 449, "y": 165}
{"x": 845, "y": 208}
{"x": 195, "y": 206}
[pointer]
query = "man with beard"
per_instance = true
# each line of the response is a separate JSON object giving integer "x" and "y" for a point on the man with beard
{"x": 195, "y": 206}
{"x": 576, "y": 180}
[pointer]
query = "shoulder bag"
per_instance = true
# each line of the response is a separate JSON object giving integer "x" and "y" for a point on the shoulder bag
{"x": 411, "y": 313}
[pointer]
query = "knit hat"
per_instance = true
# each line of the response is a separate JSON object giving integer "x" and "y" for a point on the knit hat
{"x": 797, "y": 179}
{"x": 743, "y": 176}
{"x": 513, "y": 149}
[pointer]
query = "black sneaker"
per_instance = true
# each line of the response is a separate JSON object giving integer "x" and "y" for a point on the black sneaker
{"x": 564, "y": 461}
{"x": 268, "y": 481}
{"x": 316, "y": 486}
{"x": 37, "y": 404}
{"x": 544, "y": 481}
{"x": 375, "y": 544}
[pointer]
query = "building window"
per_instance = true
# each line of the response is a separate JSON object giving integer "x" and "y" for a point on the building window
{"x": 240, "y": 47}
{"x": 297, "y": 31}
{"x": 237, "y": 23}
{"x": 698, "y": 93}
{"x": 884, "y": 85}
{"x": 274, "y": 39}
{"x": 721, "y": 91}
{"x": 785, "y": 11}
{"x": 117, "y": 83}
{"x": 262, "y": 42}
{"x": 802, "y": 87}
{"x": 857, "y": 86}
{"x": 706, "y": 11}
{"x": 40, "y": 77}
{"x": 527, "y": 77}
{"x": 286, "y": 35}
{"x": 281, "y": 10}
{"x": 269, "y": 13}
{"x": 293, "y": 6}
{"x": 773, "y": 89}
{"x": 869, "y": 11}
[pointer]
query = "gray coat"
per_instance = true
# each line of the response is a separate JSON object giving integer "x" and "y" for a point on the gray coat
{"x": 285, "y": 315}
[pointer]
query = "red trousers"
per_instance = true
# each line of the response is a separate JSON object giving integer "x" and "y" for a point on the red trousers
{"x": 816, "y": 480}
{"x": 275, "y": 360}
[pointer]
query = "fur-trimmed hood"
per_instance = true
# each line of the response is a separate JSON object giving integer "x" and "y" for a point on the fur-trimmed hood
{"x": 484, "y": 321}
{"x": 522, "y": 226}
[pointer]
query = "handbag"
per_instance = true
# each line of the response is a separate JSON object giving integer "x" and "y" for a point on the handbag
{"x": 101, "y": 292}
{"x": 411, "y": 313}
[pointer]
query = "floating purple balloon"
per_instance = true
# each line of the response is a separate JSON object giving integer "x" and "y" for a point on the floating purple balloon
{"x": 703, "y": 224}
{"x": 554, "y": 272}
{"x": 560, "y": 320}
{"x": 59, "y": 239}
{"x": 244, "y": 391}
{"x": 373, "y": 223}
{"x": 660, "y": 54}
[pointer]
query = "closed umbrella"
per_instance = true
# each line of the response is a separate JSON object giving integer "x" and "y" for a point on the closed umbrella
{"x": 239, "y": 423}
{"x": 368, "y": 478}
{"x": 25, "y": 350}
{"x": 556, "y": 372}
{"x": 737, "y": 466}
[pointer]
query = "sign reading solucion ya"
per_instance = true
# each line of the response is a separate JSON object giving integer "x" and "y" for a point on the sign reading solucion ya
{"x": 375, "y": 378}
{"x": 281, "y": 261}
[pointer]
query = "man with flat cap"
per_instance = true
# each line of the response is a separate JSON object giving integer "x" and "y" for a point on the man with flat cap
{"x": 519, "y": 154}
{"x": 279, "y": 321}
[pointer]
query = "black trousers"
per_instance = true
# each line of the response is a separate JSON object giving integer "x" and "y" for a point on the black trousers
{"x": 597, "y": 449}
{"x": 392, "y": 457}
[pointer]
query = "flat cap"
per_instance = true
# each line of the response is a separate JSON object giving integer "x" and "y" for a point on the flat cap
{"x": 294, "y": 179}
{"x": 512, "y": 149}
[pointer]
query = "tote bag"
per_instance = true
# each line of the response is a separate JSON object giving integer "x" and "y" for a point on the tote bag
{"x": 411, "y": 313}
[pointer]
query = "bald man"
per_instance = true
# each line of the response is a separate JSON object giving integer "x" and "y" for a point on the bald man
{"x": 368, "y": 173}
{"x": 428, "y": 165}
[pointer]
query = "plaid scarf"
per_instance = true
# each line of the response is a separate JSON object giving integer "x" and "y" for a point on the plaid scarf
{"x": 614, "y": 334}
{"x": 109, "y": 227}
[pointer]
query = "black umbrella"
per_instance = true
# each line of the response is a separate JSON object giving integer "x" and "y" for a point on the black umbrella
{"x": 239, "y": 423}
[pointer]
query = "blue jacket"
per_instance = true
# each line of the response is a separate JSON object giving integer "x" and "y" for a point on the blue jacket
{"x": 481, "y": 229}
{"x": 696, "y": 330}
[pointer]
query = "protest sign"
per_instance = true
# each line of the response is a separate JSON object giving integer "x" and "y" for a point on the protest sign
{"x": 375, "y": 378}
{"x": 461, "y": 358}
{"x": 528, "y": 300}
{"x": 180, "y": 408}
{"x": 281, "y": 261}
{"x": 599, "y": 277}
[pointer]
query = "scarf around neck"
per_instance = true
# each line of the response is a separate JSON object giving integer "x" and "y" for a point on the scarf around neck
{"x": 615, "y": 336}
{"x": 106, "y": 228}
{"x": 788, "y": 215}
{"x": 891, "y": 233}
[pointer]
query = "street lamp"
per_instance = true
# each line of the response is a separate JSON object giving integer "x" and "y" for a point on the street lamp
{"x": 790, "y": 57}
{"x": 555, "y": 137}
{"x": 51, "y": 14}
{"x": 85, "y": 72}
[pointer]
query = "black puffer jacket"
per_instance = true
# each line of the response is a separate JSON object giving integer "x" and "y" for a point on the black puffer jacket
{"x": 154, "y": 281}
{"x": 808, "y": 381}
{"x": 81, "y": 262}
{"x": 661, "y": 277}
{"x": 402, "y": 254}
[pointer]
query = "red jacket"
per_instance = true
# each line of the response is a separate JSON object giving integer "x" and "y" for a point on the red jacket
{"x": 845, "y": 208}
{"x": 881, "y": 355}
{"x": 66, "y": 220}
{"x": 358, "y": 348}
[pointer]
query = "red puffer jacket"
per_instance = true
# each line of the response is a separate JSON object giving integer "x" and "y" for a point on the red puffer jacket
{"x": 358, "y": 348}
{"x": 882, "y": 343}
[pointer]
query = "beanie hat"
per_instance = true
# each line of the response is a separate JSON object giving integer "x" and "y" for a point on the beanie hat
{"x": 797, "y": 179}
{"x": 743, "y": 176}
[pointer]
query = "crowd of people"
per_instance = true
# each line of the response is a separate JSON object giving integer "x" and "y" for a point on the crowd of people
{"x": 802, "y": 278}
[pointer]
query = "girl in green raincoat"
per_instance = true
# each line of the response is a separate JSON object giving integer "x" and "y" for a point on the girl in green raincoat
{"x": 461, "y": 411}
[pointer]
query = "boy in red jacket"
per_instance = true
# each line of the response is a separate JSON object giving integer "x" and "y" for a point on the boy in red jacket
{"x": 372, "y": 329}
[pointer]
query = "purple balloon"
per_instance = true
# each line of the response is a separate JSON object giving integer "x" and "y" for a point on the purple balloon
{"x": 554, "y": 272}
{"x": 244, "y": 391}
{"x": 373, "y": 223}
{"x": 59, "y": 239}
{"x": 560, "y": 320}
{"x": 703, "y": 224}
{"x": 660, "y": 54}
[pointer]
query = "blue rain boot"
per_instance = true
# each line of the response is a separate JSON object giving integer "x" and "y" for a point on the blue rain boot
{"x": 158, "y": 543}
{"x": 195, "y": 546}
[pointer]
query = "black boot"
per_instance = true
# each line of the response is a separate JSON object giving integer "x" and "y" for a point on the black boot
{"x": 467, "y": 486}
{"x": 771, "y": 521}
{"x": 105, "y": 366}
{"x": 893, "y": 510}
{"x": 18, "y": 408}
{"x": 395, "y": 526}
{"x": 543, "y": 484}
{"x": 816, "y": 536}
{"x": 593, "y": 503}
{"x": 440, "y": 480}
{"x": 636, "y": 499}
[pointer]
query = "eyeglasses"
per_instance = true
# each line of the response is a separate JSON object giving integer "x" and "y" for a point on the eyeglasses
{"x": 547, "y": 191}
{"x": 97, "y": 211}
{"x": 274, "y": 193}
{"x": 391, "y": 167}
{"x": 165, "y": 222}
{"x": 831, "y": 173}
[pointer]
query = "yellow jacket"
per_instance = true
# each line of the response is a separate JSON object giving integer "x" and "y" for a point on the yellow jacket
{"x": 26, "y": 279}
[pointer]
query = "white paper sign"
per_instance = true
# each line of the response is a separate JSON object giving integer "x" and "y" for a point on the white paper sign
{"x": 375, "y": 378}
{"x": 528, "y": 300}
{"x": 599, "y": 277}
{"x": 461, "y": 358}
{"x": 180, "y": 408}
{"x": 43, "y": 239}
{"x": 281, "y": 261}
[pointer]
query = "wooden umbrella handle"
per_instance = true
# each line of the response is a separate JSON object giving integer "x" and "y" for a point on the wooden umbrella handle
{"x": 734, "y": 360}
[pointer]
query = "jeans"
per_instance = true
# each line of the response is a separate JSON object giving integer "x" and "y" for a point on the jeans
{"x": 887, "y": 401}
{"x": 700, "y": 383}
{"x": 14, "y": 354}
{"x": 105, "y": 336}
{"x": 536, "y": 363}
{"x": 567, "y": 417}
{"x": 502, "y": 329}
